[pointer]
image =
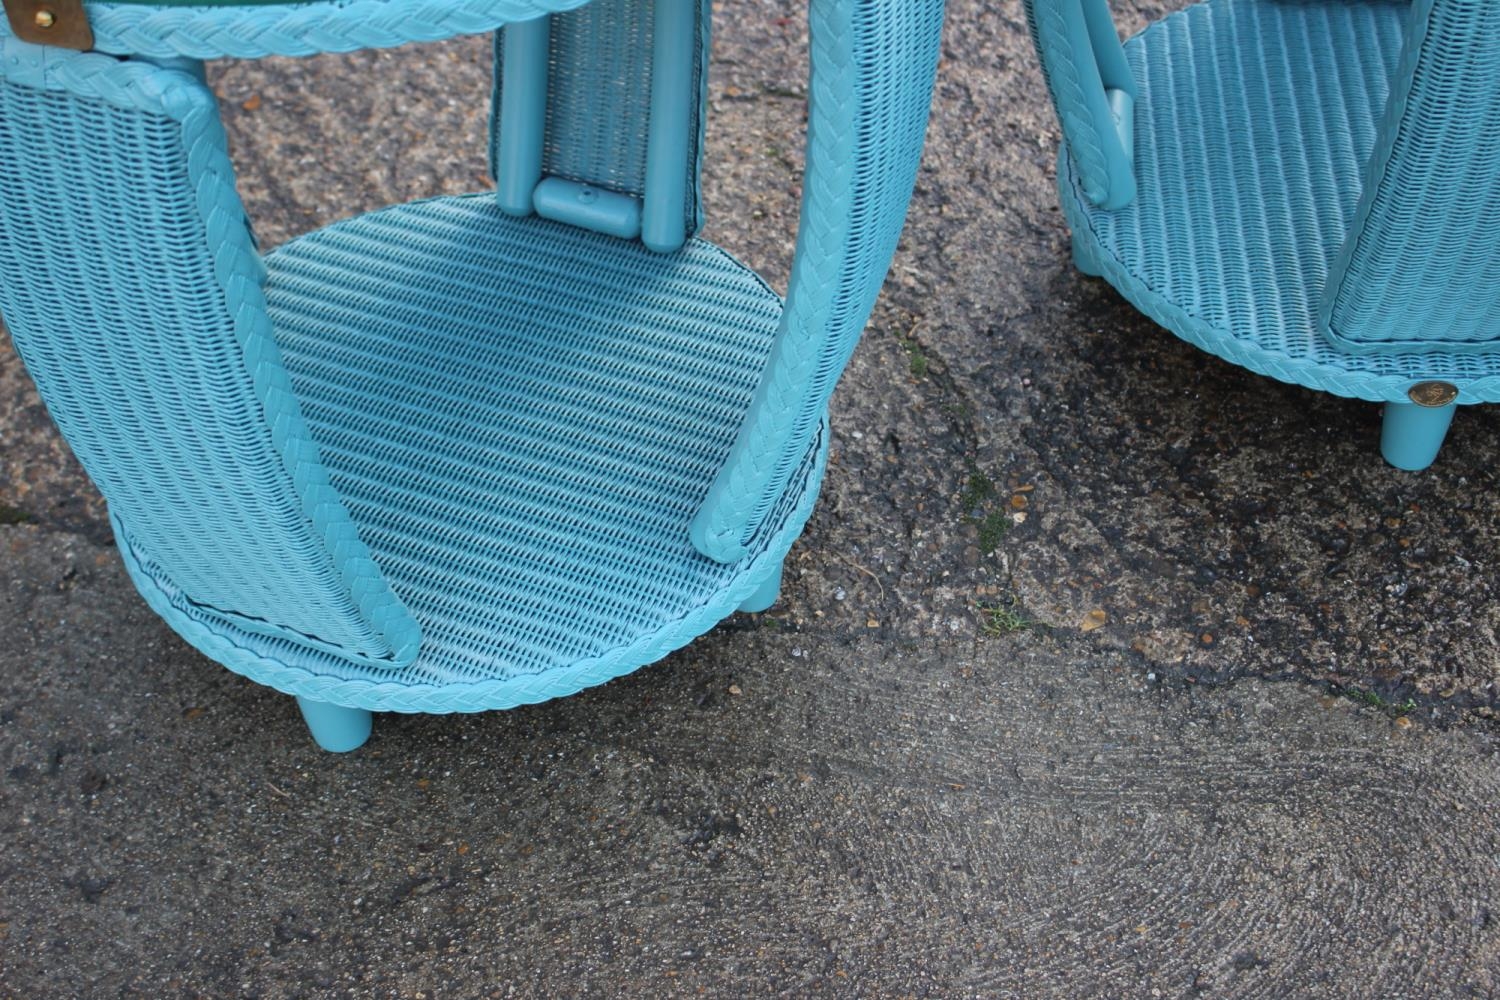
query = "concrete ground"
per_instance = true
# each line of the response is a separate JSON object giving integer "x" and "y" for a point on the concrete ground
{"x": 1103, "y": 669}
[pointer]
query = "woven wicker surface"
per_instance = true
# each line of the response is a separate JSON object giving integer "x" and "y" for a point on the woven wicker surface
{"x": 1423, "y": 271}
{"x": 525, "y": 484}
{"x": 598, "y": 93}
{"x": 192, "y": 431}
{"x": 1253, "y": 128}
{"x": 599, "y": 100}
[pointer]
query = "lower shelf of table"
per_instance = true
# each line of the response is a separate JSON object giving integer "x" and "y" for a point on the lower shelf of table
{"x": 1246, "y": 191}
{"x": 522, "y": 418}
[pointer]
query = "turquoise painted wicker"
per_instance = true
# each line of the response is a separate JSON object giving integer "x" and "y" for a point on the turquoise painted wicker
{"x": 594, "y": 106}
{"x": 1316, "y": 192}
{"x": 588, "y": 151}
{"x": 298, "y": 29}
{"x": 192, "y": 432}
{"x": 521, "y": 416}
{"x": 445, "y": 457}
{"x": 1421, "y": 271}
{"x": 872, "y": 67}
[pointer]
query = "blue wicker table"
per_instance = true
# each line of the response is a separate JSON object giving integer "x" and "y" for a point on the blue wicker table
{"x": 471, "y": 452}
{"x": 1306, "y": 189}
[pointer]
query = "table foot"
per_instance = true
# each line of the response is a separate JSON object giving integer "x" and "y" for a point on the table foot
{"x": 335, "y": 728}
{"x": 765, "y": 595}
{"x": 1411, "y": 435}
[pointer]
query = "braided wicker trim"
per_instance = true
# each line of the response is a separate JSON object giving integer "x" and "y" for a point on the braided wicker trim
{"x": 1049, "y": 34}
{"x": 241, "y": 273}
{"x": 719, "y": 529}
{"x": 300, "y": 29}
{"x": 828, "y": 302}
{"x": 479, "y": 696}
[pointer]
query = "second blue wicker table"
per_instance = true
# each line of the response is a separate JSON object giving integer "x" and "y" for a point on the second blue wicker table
{"x": 1305, "y": 188}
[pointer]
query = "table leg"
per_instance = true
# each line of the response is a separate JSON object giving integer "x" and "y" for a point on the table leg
{"x": 765, "y": 595}
{"x": 335, "y": 728}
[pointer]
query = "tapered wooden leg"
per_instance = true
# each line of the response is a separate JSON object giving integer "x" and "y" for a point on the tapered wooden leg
{"x": 335, "y": 728}
{"x": 765, "y": 595}
{"x": 1412, "y": 434}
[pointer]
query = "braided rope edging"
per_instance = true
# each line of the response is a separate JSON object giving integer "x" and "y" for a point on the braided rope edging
{"x": 492, "y": 694}
{"x": 1309, "y": 374}
{"x": 300, "y": 29}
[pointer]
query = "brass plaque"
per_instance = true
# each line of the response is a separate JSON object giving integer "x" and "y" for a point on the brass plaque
{"x": 50, "y": 22}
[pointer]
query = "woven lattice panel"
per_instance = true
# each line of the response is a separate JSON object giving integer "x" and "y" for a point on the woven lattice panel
{"x": 172, "y": 397}
{"x": 1423, "y": 266}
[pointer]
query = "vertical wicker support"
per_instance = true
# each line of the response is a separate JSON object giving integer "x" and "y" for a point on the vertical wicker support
{"x": 1092, "y": 91}
{"x": 1420, "y": 267}
{"x": 522, "y": 123}
{"x": 663, "y": 226}
{"x": 135, "y": 296}
{"x": 598, "y": 118}
{"x": 872, "y": 67}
